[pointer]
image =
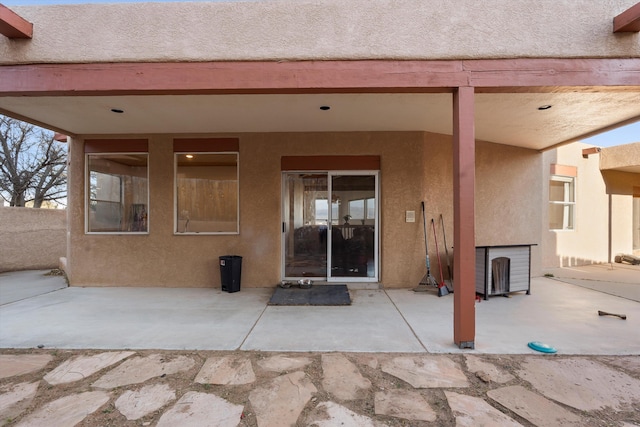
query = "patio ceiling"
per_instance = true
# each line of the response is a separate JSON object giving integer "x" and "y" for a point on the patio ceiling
{"x": 530, "y": 103}
{"x": 505, "y": 118}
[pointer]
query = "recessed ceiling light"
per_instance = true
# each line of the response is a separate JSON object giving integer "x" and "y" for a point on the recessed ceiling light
{"x": 325, "y": 108}
{"x": 117, "y": 110}
{"x": 544, "y": 107}
{"x": 189, "y": 156}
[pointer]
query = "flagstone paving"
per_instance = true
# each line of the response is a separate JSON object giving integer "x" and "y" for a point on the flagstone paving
{"x": 81, "y": 367}
{"x": 342, "y": 378}
{"x": 12, "y": 365}
{"x": 226, "y": 370}
{"x": 581, "y": 383}
{"x": 136, "y": 404}
{"x": 533, "y": 407}
{"x": 141, "y": 369}
{"x": 84, "y": 388}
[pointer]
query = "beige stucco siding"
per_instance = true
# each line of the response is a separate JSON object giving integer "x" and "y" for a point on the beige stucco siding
{"x": 415, "y": 166}
{"x": 321, "y": 30}
{"x": 603, "y": 211}
{"x": 32, "y": 238}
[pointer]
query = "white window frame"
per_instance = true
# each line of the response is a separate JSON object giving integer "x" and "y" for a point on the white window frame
{"x": 176, "y": 215}
{"x": 87, "y": 193}
{"x": 569, "y": 211}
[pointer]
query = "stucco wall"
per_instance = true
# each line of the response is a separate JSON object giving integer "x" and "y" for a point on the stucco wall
{"x": 326, "y": 29}
{"x": 603, "y": 222}
{"x": 32, "y": 238}
{"x": 414, "y": 166}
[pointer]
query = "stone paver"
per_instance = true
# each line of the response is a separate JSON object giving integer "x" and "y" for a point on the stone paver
{"x": 136, "y": 404}
{"x": 317, "y": 389}
{"x": 581, "y": 383}
{"x": 79, "y": 368}
{"x": 533, "y": 407}
{"x": 15, "y": 399}
{"x": 340, "y": 416}
{"x": 280, "y": 402}
{"x": 201, "y": 410}
{"x": 406, "y": 404}
{"x": 485, "y": 369}
{"x": 14, "y": 365}
{"x": 66, "y": 411}
{"x": 475, "y": 412}
{"x": 342, "y": 378}
{"x": 226, "y": 370}
{"x": 139, "y": 369}
{"x": 426, "y": 371}
{"x": 280, "y": 363}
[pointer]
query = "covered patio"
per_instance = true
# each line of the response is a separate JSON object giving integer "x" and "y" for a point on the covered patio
{"x": 529, "y": 98}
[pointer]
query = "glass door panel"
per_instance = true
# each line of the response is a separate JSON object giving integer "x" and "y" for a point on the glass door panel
{"x": 353, "y": 240}
{"x": 305, "y": 224}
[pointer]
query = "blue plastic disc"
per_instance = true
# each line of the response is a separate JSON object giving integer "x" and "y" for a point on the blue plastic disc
{"x": 538, "y": 346}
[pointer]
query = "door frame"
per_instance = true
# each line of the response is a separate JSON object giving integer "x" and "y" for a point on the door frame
{"x": 283, "y": 223}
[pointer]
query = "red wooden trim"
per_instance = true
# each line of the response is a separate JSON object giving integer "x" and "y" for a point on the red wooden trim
{"x": 553, "y": 72}
{"x": 564, "y": 170}
{"x": 628, "y": 21}
{"x": 13, "y": 25}
{"x": 199, "y": 145}
{"x": 60, "y": 137}
{"x": 636, "y": 191}
{"x": 116, "y": 146}
{"x": 587, "y": 151}
{"x": 328, "y": 163}
{"x": 464, "y": 253}
{"x": 311, "y": 76}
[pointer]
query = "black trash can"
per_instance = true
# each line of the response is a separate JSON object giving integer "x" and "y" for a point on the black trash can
{"x": 230, "y": 272}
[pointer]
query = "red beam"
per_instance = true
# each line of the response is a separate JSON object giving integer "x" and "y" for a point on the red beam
{"x": 14, "y": 26}
{"x": 311, "y": 76}
{"x": 553, "y": 72}
{"x": 229, "y": 77}
{"x": 464, "y": 251}
{"x": 587, "y": 151}
{"x": 628, "y": 21}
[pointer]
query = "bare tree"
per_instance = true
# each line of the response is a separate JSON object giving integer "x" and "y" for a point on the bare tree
{"x": 32, "y": 164}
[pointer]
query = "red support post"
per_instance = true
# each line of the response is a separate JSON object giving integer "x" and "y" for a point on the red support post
{"x": 464, "y": 314}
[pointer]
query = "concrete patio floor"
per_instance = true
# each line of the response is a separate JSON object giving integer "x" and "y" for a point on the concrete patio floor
{"x": 39, "y": 310}
{"x": 127, "y": 357}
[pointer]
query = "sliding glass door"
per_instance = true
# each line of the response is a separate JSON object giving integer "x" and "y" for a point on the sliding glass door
{"x": 330, "y": 226}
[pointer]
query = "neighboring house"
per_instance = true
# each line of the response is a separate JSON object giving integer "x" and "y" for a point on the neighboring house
{"x": 594, "y": 204}
{"x": 304, "y": 136}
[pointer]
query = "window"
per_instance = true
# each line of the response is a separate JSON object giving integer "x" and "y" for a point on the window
{"x": 206, "y": 193}
{"x": 117, "y": 193}
{"x": 561, "y": 203}
{"x": 362, "y": 209}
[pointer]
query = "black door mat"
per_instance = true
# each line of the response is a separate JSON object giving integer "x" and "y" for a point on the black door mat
{"x": 316, "y": 295}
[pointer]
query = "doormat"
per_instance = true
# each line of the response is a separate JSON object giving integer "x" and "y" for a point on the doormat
{"x": 316, "y": 295}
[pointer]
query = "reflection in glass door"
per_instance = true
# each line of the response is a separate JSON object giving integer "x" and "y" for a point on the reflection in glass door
{"x": 353, "y": 240}
{"x": 330, "y": 226}
{"x": 306, "y": 215}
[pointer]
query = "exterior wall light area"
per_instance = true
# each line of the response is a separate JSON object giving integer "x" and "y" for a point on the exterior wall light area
{"x": 189, "y": 156}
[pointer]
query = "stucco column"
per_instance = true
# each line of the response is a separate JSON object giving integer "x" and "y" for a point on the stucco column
{"x": 464, "y": 314}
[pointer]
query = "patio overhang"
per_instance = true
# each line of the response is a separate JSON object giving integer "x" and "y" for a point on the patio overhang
{"x": 530, "y": 103}
{"x": 586, "y": 96}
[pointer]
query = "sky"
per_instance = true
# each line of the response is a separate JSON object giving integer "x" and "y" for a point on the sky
{"x": 619, "y": 136}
